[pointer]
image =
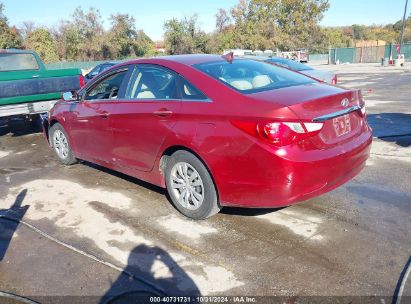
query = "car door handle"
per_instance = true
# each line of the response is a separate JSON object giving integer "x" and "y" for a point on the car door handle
{"x": 163, "y": 112}
{"x": 35, "y": 76}
{"x": 104, "y": 115}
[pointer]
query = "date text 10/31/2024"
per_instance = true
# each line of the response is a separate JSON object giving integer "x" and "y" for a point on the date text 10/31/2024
{"x": 203, "y": 299}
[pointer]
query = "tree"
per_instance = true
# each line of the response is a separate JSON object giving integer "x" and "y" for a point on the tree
{"x": 41, "y": 41}
{"x": 336, "y": 37}
{"x": 143, "y": 45}
{"x": 68, "y": 41}
{"x": 9, "y": 36}
{"x": 27, "y": 28}
{"x": 223, "y": 20}
{"x": 87, "y": 28}
{"x": 123, "y": 34}
{"x": 174, "y": 37}
{"x": 358, "y": 32}
{"x": 185, "y": 36}
{"x": 284, "y": 24}
{"x": 407, "y": 33}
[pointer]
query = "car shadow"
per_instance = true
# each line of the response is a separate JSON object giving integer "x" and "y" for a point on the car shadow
{"x": 391, "y": 127}
{"x": 126, "y": 177}
{"x": 150, "y": 272}
{"x": 248, "y": 211}
{"x": 225, "y": 210}
{"x": 8, "y": 227}
{"x": 20, "y": 126}
{"x": 133, "y": 180}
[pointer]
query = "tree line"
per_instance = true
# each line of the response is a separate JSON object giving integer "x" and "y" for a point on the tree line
{"x": 83, "y": 38}
{"x": 251, "y": 24}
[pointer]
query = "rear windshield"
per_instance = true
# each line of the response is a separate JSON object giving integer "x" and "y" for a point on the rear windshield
{"x": 17, "y": 62}
{"x": 249, "y": 76}
{"x": 291, "y": 64}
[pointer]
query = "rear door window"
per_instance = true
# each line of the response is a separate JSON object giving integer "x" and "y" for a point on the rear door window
{"x": 153, "y": 82}
{"x": 18, "y": 62}
{"x": 190, "y": 92}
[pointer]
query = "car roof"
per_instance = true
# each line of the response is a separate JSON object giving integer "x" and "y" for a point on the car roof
{"x": 181, "y": 59}
{"x": 193, "y": 58}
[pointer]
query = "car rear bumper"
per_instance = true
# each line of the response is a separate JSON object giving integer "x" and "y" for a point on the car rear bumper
{"x": 296, "y": 176}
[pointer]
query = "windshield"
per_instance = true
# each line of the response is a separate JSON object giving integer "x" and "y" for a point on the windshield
{"x": 17, "y": 62}
{"x": 250, "y": 76}
{"x": 291, "y": 64}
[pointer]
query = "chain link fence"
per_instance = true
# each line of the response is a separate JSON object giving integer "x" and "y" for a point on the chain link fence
{"x": 369, "y": 54}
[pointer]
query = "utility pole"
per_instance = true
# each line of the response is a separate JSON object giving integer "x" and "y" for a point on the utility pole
{"x": 403, "y": 25}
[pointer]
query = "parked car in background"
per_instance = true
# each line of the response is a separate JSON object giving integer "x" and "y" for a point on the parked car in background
{"x": 215, "y": 130}
{"x": 98, "y": 69}
{"x": 325, "y": 76}
{"x": 304, "y": 55}
{"x": 27, "y": 88}
{"x": 299, "y": 55}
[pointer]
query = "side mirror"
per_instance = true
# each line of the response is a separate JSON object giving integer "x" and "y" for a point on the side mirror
{"x": 70, "y": 96}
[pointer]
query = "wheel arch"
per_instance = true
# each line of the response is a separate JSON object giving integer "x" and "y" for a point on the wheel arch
{"x": 49, "y": 125}
{"x": 172, "y": 149}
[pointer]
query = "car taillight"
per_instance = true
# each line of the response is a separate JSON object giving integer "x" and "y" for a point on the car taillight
{"x": 82, "y": 81}
{"x": 280, "y": 133}
{"x": 359, "y": 100}
{"x": 334, "y": 80}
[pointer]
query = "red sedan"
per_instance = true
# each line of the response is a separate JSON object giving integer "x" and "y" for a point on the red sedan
{"x": 215, "y": 131}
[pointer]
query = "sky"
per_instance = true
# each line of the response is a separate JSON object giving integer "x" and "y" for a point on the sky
{"x": 150, "y": 15}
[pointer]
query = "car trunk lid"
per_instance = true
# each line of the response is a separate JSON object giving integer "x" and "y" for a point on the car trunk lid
{"x": 338, "y": 109}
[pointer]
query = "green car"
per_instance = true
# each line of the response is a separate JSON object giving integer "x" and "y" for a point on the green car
{"x": 28, "y": 88}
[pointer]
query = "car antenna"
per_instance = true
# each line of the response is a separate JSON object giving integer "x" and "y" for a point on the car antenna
{"x": 229, "y": 57}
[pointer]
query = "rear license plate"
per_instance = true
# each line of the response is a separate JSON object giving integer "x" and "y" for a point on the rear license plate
{"x": 342, "y": 125}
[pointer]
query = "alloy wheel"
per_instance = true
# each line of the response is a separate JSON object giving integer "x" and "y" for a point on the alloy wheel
{"x": 187, "y": 186}
{"x": 60, "y": 144}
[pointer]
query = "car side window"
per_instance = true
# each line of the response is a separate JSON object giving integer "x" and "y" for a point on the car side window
{"x": 107, "y": 88}
{"x": 153, "y": 82}
{"x": 190, "y": 92}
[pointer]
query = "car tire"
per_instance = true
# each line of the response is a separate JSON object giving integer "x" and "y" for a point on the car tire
{"x": 190, "y": 186}
{"x": 61, "y": 145}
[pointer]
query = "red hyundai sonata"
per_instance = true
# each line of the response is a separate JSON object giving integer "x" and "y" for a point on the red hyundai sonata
{"x": 215, "y": 131}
